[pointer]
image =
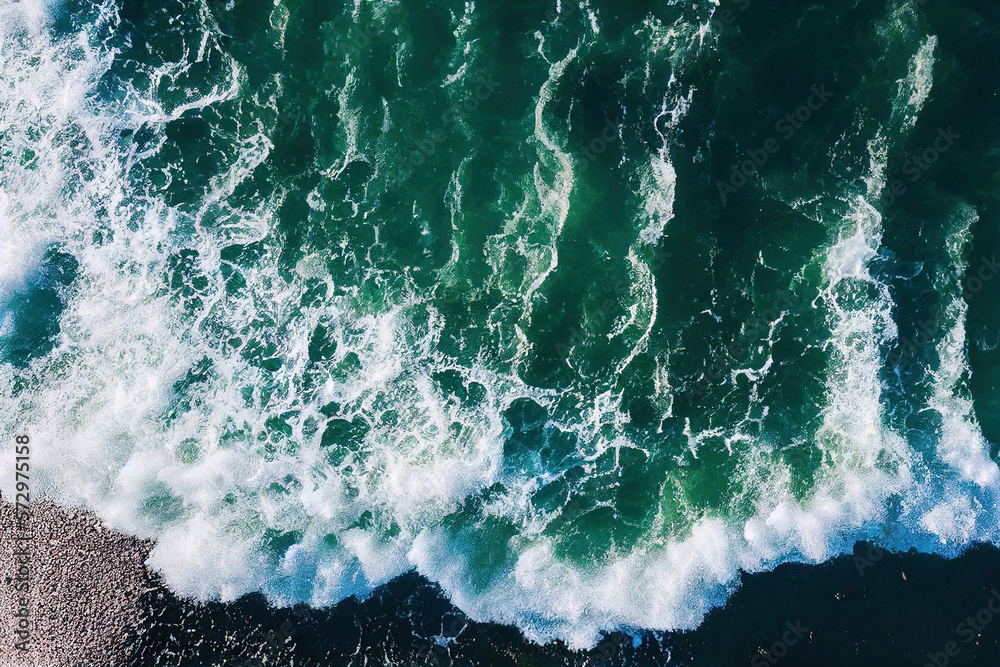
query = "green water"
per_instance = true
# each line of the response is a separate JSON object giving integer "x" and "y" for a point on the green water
{"x": 577, "y": 310}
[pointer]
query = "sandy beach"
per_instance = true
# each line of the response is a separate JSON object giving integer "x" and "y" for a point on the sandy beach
{"x": 82, "y": 587}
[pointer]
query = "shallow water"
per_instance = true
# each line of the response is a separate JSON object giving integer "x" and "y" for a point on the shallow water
{"x": 580, "y": 312}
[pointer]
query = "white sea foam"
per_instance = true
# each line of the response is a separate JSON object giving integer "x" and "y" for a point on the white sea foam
{"x": 554, "y": 197}
{"x": 201, "y": 470}
{"x": 961, "y": 442}
{"x": 919, "y": 80}
{"x": 661, "y": 184}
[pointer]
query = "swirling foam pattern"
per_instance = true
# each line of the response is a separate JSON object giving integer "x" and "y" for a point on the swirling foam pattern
{"x": 318, "y": 293}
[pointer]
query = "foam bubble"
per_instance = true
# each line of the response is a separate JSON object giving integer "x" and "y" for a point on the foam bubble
{"x": 297, "y": 437}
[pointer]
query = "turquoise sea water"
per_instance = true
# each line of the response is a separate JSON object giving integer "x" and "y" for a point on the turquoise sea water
{"x": 577, "y": 310}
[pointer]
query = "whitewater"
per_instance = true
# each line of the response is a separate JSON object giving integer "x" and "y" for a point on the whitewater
{"x": 310, "y": 409}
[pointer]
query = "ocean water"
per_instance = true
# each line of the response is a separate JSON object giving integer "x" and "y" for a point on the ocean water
{"x": 578, "y": 310}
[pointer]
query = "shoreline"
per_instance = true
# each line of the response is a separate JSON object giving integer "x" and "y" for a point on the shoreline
{"x": 82, "y": 587}
{"x": 96, "y": 603}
